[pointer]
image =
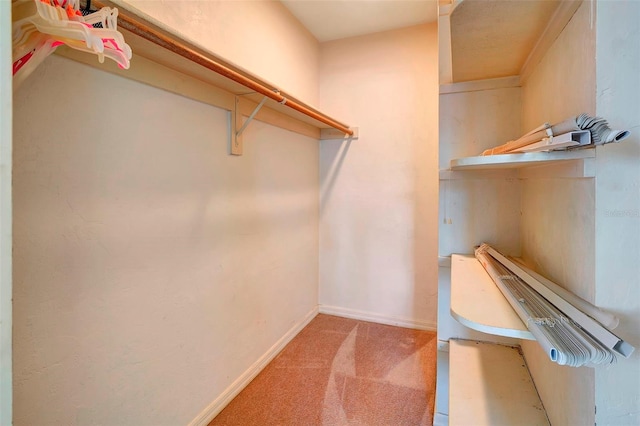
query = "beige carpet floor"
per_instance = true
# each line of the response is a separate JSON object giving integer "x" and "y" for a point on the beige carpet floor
{"x": 339, "y": 371}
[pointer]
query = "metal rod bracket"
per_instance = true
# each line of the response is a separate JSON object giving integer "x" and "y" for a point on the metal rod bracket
{"x": 251, "y": 116}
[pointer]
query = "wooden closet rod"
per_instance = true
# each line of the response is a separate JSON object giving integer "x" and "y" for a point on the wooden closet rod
{"x": 131, "y": 24}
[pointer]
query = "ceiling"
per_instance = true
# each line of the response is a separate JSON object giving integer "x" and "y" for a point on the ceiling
{"x": 335, "y": 19}
{"x": 489, "y": 38}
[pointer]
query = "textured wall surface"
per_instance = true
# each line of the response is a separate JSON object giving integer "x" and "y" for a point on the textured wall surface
{"x": 618, "y": 205}
{"x": 378, "y": 230}
{"x": 483, "y": 208}
{"x": 260, "y": 36}
{"x": 152, "y": 269}
{"x": 558, "y": 224}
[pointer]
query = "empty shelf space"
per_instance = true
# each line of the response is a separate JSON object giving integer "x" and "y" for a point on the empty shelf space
{"x": 477, "y": 303}
{"x": 580, "y": 162}
{"x": 490, "y": 384}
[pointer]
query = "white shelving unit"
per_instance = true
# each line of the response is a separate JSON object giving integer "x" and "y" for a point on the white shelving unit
{"x": 490, "y": 385}
{"x": 506, "y": 161}
{"x": 559, "y": 164}
{"x": 477, "y": 303}
{"x": 561, "y": 226}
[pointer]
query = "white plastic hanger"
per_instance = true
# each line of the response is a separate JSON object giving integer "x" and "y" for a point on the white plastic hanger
{"x": 40, "y": 26}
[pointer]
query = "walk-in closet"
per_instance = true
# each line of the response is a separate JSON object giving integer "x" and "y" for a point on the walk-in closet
{"x": 262, "y": 212}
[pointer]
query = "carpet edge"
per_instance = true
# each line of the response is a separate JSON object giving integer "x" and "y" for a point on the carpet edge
{"x": 218, "y": 404}
{"x": 377, "y": 318}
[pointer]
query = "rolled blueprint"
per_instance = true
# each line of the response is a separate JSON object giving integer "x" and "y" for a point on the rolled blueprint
{"x": 562, "y": 339}
{"x": 598, "y": 127}
{"x": 605, "y": 318}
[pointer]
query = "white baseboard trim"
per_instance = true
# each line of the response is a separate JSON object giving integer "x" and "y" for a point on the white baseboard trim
{"x": 377, "y": 318}
{"x": 241, "y": 382}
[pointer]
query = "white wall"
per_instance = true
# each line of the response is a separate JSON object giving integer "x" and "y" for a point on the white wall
{"x": 151, "y": 268}
{"x": 471, "y": 122}
{"x": 378, "y": 220}
{"x": 261, "y": 36}
{"x": 150, "y": 263}
{"x": 558, "y": 223}
{"x": 617, "y": 268}
{"x": 5, "y": 213}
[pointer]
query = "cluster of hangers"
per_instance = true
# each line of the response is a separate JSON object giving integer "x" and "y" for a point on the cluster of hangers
{"x": 40, "y": 26}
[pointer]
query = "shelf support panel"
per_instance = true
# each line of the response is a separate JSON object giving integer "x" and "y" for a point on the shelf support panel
{"x": 237, "y": 127}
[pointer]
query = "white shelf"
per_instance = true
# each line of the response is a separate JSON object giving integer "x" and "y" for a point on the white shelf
{"x": 490, "y": 385}
{"x": 580, "y": 162}
{"x": 477, "y": 303}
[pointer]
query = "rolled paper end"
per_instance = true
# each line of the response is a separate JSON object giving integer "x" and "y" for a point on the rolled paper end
{"x": 620, "y": 135}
